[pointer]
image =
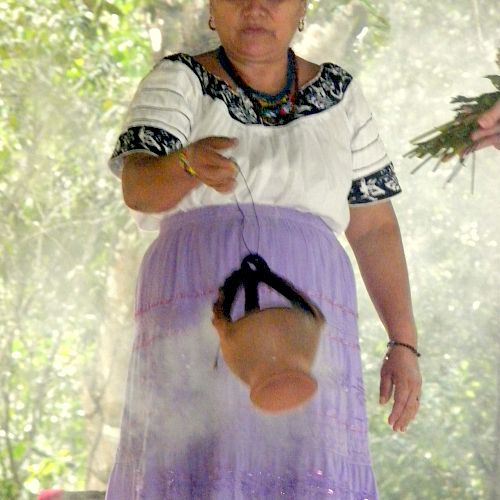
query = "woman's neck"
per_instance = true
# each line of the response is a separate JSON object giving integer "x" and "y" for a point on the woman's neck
{"x": 268, "y": 76}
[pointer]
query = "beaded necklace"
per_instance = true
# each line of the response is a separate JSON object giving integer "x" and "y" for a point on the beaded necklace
{"x": 271, "y": 109}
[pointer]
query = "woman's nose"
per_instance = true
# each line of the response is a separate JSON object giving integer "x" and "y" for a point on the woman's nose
{"x": 254, "y": 5}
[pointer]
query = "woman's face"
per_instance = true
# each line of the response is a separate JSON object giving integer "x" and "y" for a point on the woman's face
{"x": 257, "y": 29}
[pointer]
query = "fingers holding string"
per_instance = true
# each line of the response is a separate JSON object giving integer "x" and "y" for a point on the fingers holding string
{"x": 209, "y": 166}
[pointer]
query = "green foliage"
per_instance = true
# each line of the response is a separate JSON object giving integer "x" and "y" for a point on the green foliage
{"x": 66, "y": 71}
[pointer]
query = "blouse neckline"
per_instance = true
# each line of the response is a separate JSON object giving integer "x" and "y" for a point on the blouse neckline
{"x": 202, "y": 68}
{"x": 320, "y": 93}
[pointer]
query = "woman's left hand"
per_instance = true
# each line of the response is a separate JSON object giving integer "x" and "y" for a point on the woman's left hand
{"x": 400, "y": 375}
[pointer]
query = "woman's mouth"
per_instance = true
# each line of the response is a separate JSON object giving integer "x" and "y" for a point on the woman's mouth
{"x": 254, "y": 30}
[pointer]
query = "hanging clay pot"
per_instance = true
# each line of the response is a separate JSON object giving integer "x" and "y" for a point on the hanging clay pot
{"x": 272, "y": 350}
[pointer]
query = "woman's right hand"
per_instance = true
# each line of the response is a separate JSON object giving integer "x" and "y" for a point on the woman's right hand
{"x": 157, "y": 184}
{"x": 210, "y": 166}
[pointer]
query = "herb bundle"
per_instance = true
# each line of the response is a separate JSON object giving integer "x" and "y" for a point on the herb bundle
{"x": 453, "y": 138}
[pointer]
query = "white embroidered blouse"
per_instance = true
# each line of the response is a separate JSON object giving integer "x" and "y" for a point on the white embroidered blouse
{"x": 328, "y": 156}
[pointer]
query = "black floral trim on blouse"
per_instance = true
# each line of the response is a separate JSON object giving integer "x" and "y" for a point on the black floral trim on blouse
{"x": 326, "y": 90}
{"x": 375, "y": 187}
{"x": 155, "y": 140}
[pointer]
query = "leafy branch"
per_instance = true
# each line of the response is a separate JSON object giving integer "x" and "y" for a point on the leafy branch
{"x": 453, "y": 138}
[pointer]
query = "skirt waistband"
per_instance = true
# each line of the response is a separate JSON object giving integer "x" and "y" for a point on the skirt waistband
{"x": 246, "y": 211}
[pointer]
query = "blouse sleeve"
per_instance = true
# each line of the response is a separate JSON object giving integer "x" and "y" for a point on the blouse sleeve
{"x": 160, "y": 116}
{"x": 374, "y": 178}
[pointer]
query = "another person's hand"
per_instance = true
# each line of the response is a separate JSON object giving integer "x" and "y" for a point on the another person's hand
{"x": 210, "y": 166}
{"x": 400, "y": 375}
{"x": 488, "y": 132}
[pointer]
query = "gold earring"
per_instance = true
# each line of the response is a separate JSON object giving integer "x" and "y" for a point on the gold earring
{"x": 211, "y": 23}
{"x": 302, "y": 24}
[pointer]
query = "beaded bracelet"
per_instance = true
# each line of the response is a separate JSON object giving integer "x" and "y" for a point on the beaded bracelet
{"x": 393, "y": 343}
{"x": 185, "y": 164}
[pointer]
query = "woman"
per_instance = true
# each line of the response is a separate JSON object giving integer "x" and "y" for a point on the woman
{"x": 250, "y": 148}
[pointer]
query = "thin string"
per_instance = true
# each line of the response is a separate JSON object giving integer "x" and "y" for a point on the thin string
{"x": 290, "y": 89}
{"x": 243, "y": 220}
{"x": 244, "y": 216}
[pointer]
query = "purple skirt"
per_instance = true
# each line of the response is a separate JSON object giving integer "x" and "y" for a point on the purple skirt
{"x": 189, "y": 430}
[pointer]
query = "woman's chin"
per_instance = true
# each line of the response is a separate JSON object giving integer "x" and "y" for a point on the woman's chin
{"x": 254, "y": 48}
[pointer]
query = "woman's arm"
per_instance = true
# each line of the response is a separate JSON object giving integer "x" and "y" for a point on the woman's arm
{"x": 374, "y": 236}
{"x": 156, "y": 184}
